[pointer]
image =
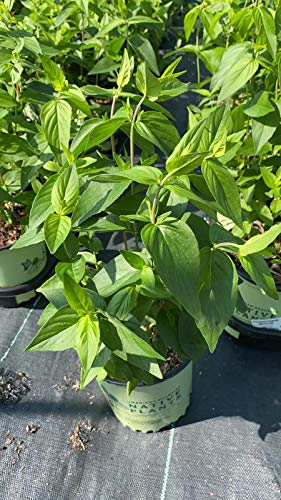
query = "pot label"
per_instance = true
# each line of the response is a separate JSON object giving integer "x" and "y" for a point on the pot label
{"x": 272, "y": 324}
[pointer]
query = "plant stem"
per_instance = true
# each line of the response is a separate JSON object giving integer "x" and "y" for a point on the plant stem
{"x": 132, "y": 129}
{"x": 125, "y": 240}
{"x": 155, "y": 205}
{"x": 156, "y": 199}
{"x": 132, "y": 159}
{"x": 226, "y": 244}
{"x": 115, "y": 97}
{"x": 197, "y": 58}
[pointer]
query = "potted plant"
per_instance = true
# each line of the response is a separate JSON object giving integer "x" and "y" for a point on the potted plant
{"x": 159, "y": 305}
{"x": 240, "y": 47}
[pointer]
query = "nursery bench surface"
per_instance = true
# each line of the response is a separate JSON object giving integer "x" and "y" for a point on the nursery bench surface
{"x": 227, "y": 447}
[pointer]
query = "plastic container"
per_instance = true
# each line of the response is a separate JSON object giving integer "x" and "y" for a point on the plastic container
{"x": 151, "y": 407}
{"x": 262, "y": 318}
{"x": 22, "y": 271}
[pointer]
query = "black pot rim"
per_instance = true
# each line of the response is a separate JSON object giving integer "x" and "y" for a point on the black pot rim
{"x": 248, "y": 330}
{"x": 6, "y": 247}
{"x": 167, "y": 375}
{"x": 244, "y": 275}
{"x": 32, "y": 284}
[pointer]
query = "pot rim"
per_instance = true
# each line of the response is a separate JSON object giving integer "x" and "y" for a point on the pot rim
{"x": 166, "y": 376}
{"x": 6, "y": 247}
{"x": 244, "y": 275}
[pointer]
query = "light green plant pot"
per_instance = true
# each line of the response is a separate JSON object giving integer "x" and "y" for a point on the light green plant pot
{"x": 21, "y": 265}
{"x": 151, "y": 407}
{"x": 263, "y": 314}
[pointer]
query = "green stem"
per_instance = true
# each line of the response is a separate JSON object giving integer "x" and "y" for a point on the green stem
{"x": 156, "y": 198}
{"x": 115, "y": 97}
{"x": 132, "y": 129}
{"x": 125, "y": 240}
{"x": 132, "y": 158}
{"x": 197, "y": 58}
{"x": 226, "y": 244}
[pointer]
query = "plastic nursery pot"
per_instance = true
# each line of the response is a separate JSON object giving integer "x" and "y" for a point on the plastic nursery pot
{"x": 261, "y": 319}
{"x": 22, "y": 271}
{"x": 151, "y": 407}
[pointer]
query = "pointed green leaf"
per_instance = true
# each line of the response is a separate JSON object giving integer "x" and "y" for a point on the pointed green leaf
{"x": 224, "y": 189}
{"x": 258, "y": 270}
{"x": 58, "y": 333}
{"x": 56, "y": 229}
{"x": 218, "y": 294}
{"x": 260, "y": 242}
{"x": 65, "y": 191}
{"x": 56, "y": 121}
{"x": 175, "y": 253}
{"x": 87, "y": 341}
{"x": 77, "y": 297}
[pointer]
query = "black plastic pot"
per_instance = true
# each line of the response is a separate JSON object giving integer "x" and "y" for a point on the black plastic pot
{"x": 262, "y": 318}
{"x": 16, "y": 291}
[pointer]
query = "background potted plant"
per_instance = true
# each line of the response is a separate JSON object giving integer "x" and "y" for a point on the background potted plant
{"x": 240, "y": 48}
{"x": 160, "y": 304}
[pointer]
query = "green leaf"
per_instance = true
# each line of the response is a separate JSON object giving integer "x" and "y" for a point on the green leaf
{"x": 56, "y": 229}
{"x": 65, "y": 191}
{"x": 96, "y": 198}
{"x": 142, "y": 20}
{"x": 158, "y": 129}
{"x": 258, "y": 270}
{"x": 261, "y": 134}
{"x": 269, "y": 28}
{"x": 46, "y": 314}
{"x": 75, "y": 96}
{"x": 93, "y": 132}
{"x": 56, "y": 121}
{"x": 203, "y": 137}
{"x": 54, "y": 74}
{"x": 87, "y": 341}
{"x": 147, "y": 83}
{"x": 142, "y": 174}
{"x": 75, "y": 270}
{"x": 175, "y": 253}
{"x": 122, "y": 303}
{"x": 124, "y": 73}
{"x": 41, "y": 206}
{"x": 133, "y": 258}
{"x": 260, "y": 242}
{"x": 17, "y": 147}
{"x": 144, "y": 50}
{"x": 115, "y": 275}
{"x": 190, "y": 338}
{"x": 236, "y": 68}
{"x": 53, "y": 290}
{"x": 131, "y": 342}
{"x": 190, "y": 20}
{"x": 224, "y": 189}
{"x": 218, "y": 294}
{"x": 77, "y": 297}
{"x": 30, "y": 237}
{"x": 186, "y": 163}
{"x": 260, "y": 105}
{"x": 105, "y": 65}
{"x": 100, "y": 361}
{"x": 58, "y": 333}
{"x": 6, "y": 100}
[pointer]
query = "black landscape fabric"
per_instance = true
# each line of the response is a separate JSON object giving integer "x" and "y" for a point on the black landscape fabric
{"x": 59, "y": 443}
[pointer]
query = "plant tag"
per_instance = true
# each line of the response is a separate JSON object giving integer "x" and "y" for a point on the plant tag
{"x": 272, "y": 323}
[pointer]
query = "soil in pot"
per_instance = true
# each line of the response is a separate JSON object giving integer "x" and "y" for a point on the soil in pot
{"x": 10, "y": 232}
